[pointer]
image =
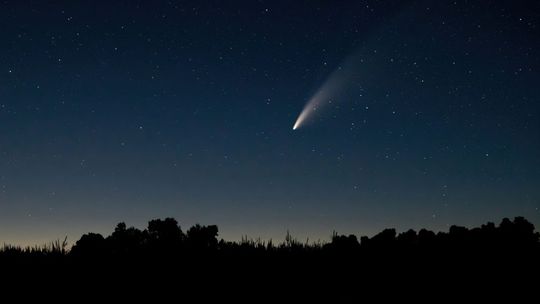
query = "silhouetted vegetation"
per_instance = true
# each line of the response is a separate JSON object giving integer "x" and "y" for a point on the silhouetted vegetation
{"x": 495, "y": 254}
{"x": 165, "y": 237}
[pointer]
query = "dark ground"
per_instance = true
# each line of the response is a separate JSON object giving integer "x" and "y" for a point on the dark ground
{"x": 489, "y": 262}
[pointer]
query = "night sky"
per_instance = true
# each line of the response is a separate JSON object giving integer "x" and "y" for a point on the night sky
{"x": 132, "y": 110}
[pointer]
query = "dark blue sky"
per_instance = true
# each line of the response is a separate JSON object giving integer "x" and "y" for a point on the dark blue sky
{"x": 133, "y": 110}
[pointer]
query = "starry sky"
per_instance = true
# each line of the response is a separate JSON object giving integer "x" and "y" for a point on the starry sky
{"x": 131, "y": 110}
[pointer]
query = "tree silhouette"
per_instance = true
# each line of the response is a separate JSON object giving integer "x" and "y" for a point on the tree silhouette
{"x": 344, "y": 242}
{"x": 202, "y": 237}
{"x": 90, "y": 244}
{"x": 408, "y": 238}
{"x": 384, "y": 240}
{"x": 126, "y": 240}
{"x": 165, "y": 234}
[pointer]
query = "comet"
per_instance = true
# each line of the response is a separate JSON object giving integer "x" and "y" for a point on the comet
{"x": 330, "y": 91}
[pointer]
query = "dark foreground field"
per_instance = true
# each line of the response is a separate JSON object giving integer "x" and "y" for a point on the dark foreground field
{"x": 161, "y": 261}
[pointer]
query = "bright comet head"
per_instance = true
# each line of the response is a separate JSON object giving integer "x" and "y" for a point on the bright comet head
{"x": 300, "y": 119}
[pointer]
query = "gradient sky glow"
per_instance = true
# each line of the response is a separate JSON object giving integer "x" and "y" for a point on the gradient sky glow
{"x": 131, "y": 110}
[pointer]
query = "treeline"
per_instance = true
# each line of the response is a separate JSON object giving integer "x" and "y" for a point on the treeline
{"x": 164, "y": 260}
{"x": 166, "y": 238}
